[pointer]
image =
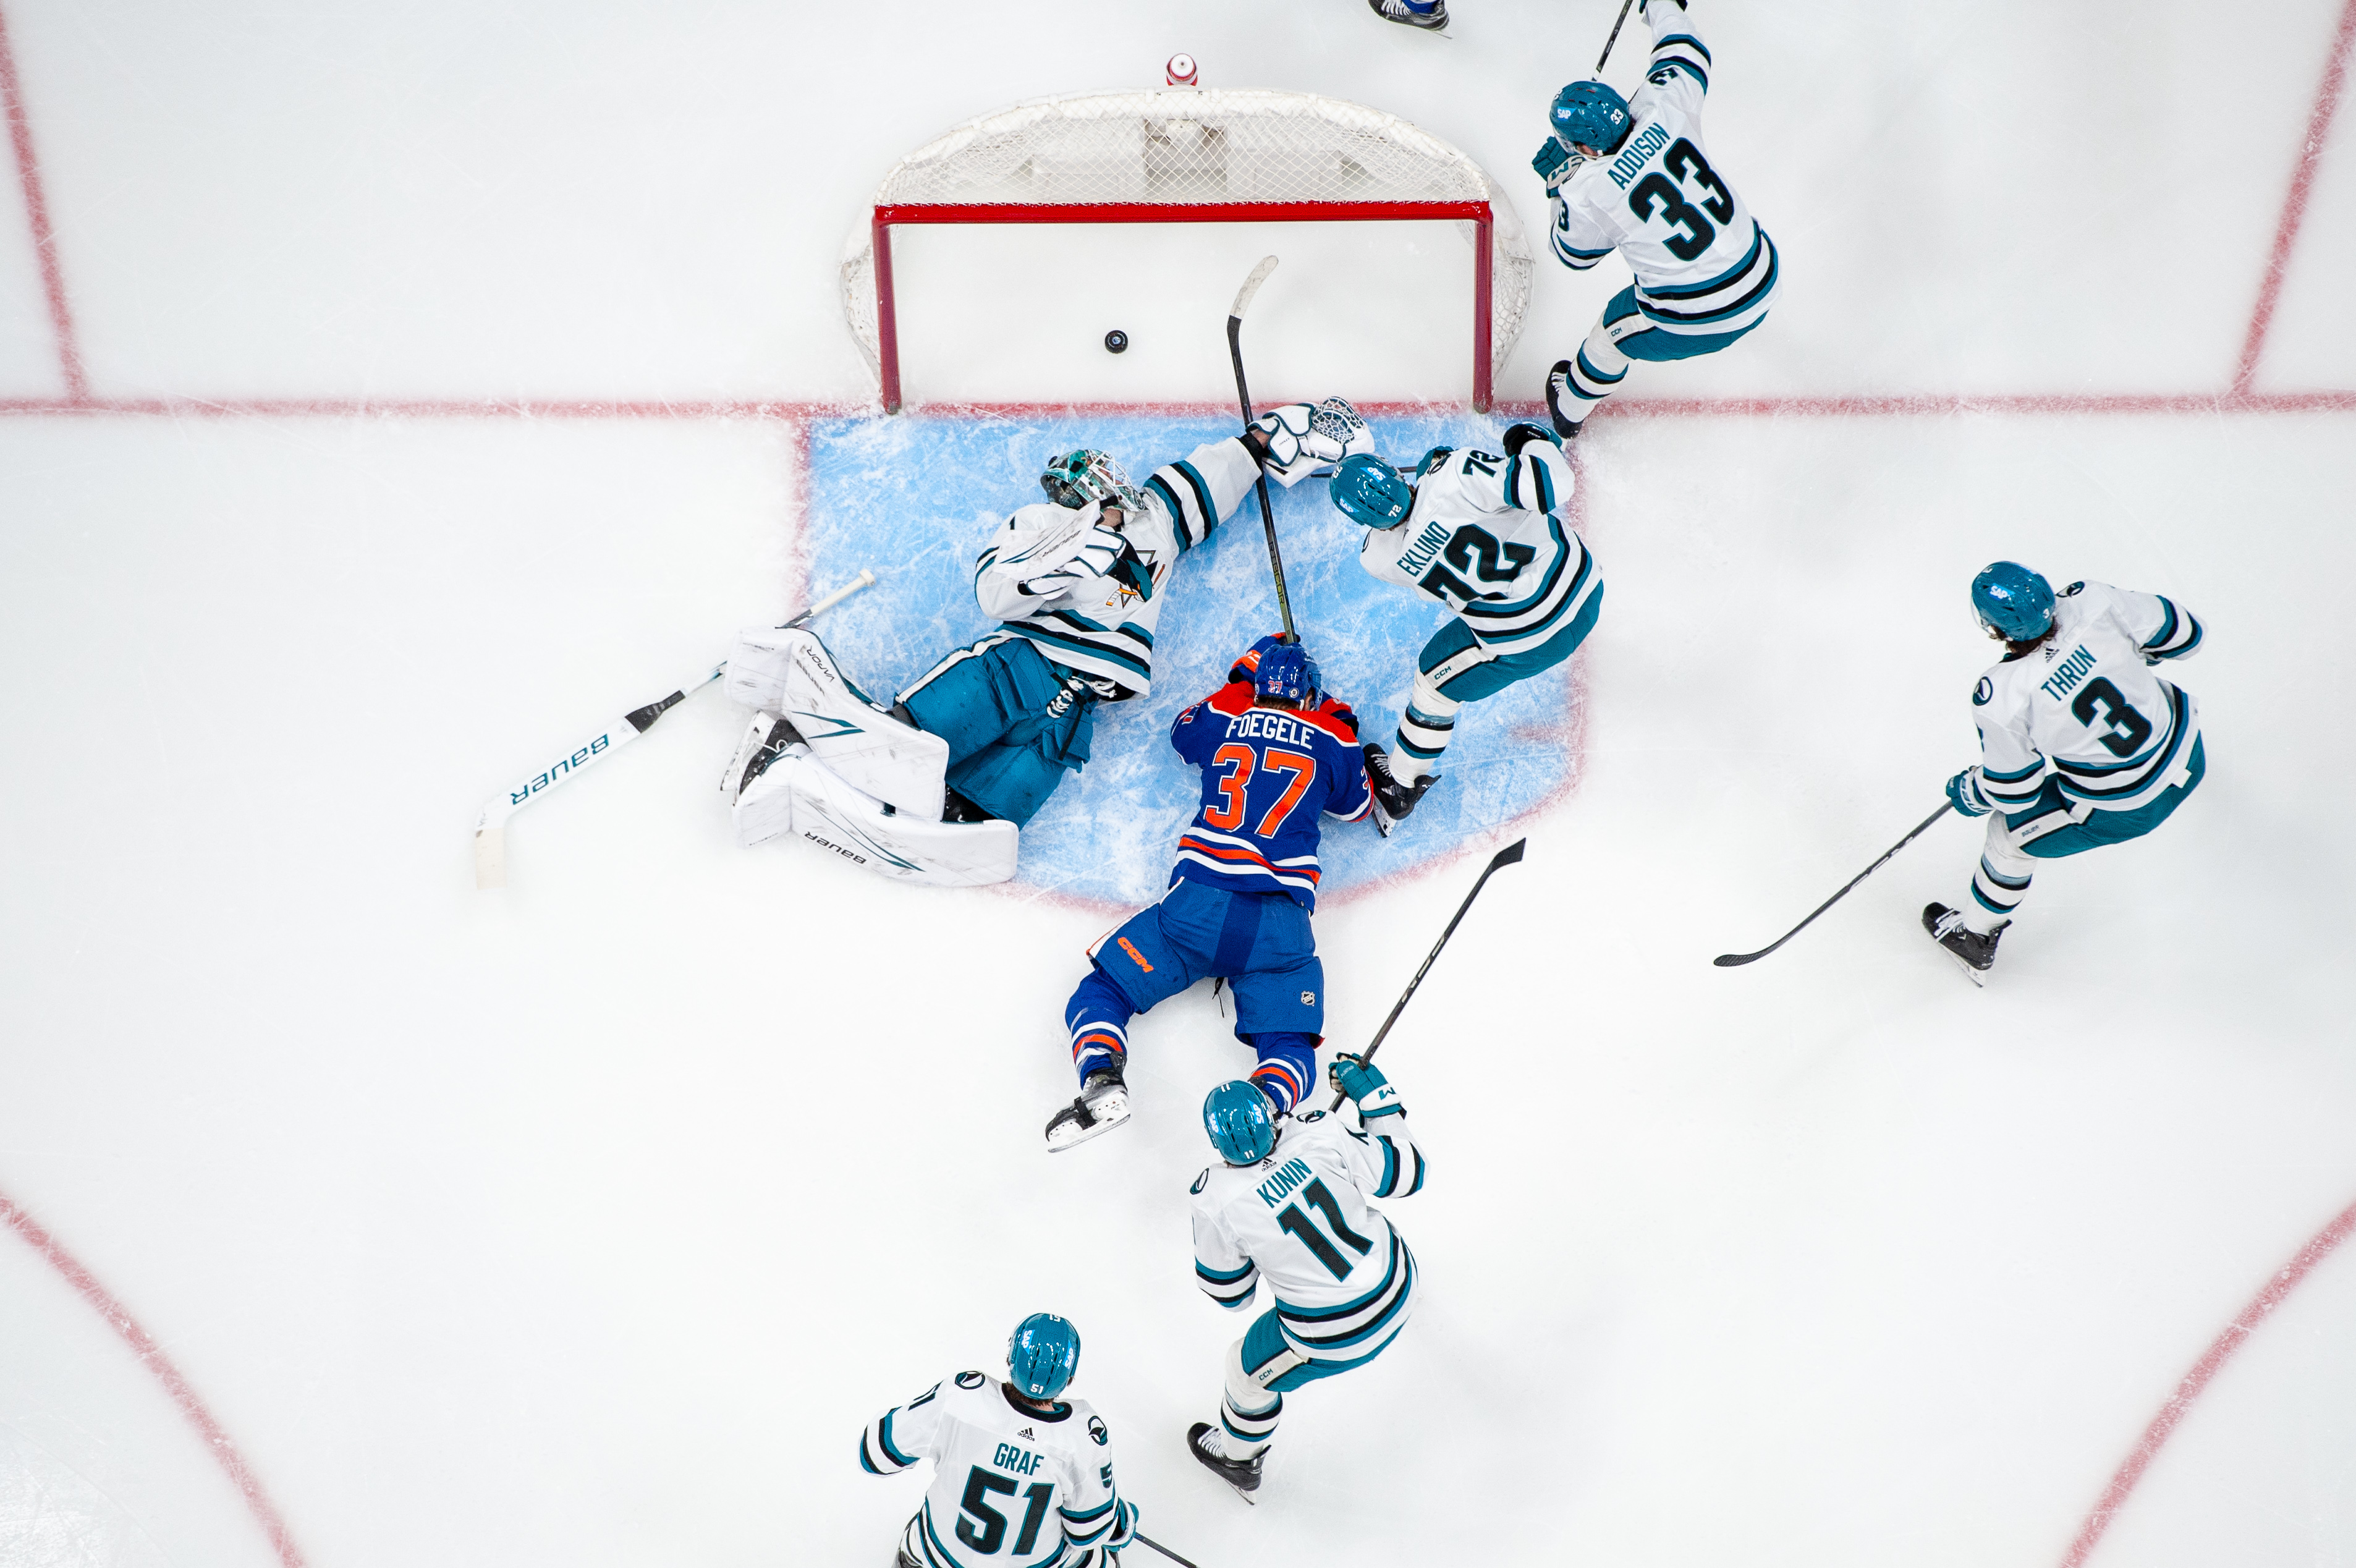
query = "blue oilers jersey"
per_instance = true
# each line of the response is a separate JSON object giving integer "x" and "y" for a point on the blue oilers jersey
{"x": 1269, "y": 775}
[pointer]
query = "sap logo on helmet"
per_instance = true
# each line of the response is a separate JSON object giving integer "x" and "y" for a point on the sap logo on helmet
{"x": 1096, "y": 1432}
{"x": 1309, "y": 999}
{"x": 1983, "y": 693}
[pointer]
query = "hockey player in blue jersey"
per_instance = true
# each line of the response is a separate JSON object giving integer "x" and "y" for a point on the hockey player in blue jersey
{"x": 1480, "y": 533}
{"x": 1287, "y": 1203}
{"x": 1631, "y": 176}
{"x": 934, "y": 786}
{"x": 1276, "y": 756}
{"x": 2080, "y": 744}
{"x": 1021, "y": 1477}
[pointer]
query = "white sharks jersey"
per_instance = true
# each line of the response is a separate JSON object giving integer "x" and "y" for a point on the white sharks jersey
{"x": 1055, "y": 575}
{"x": 1484, "y": 539}
{"x": 1702, "y": 263}
{"x": 1342, "y": 1277}
{"x": 1012, "y": 1488}
{"x": 2083, "y": 708}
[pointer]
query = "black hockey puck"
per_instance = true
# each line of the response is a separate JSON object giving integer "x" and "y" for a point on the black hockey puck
{"x": 1115, "y": 341}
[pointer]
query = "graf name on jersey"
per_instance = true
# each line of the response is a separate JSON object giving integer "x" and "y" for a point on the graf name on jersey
{"x": 1267, "y": 724}
{"x": 1022, "y": 1461}
{"x": 1649, "y": 140}
{"x": 1289, "y": 1175}
{"x": 2072, "y": 671}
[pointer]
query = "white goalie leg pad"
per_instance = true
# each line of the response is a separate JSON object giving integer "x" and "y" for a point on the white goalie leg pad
{"x": 869, "y": 748}
{"x": 801, "y": 796}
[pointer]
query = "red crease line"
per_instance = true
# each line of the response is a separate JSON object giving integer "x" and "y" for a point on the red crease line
{"x": 151, "y": 1355}
{"x": 2221, "y": 1350}
{"x": 2302, "y": 183}
{"x": 37, "y": 213}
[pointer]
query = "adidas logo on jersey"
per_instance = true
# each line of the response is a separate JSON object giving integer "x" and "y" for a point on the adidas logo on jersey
{"x": 1027, "y": 1432}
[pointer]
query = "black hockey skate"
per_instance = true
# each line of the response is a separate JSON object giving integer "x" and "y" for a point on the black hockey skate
{"x": 1102, "y": 1105}
{"x": 1558, "y": 388}
{"x": 1243, "y": 1475}
{"x": 1400, "y": 11}
{"x": 1394, "y": 802}
{"x": 1975, "y": 952}
{"x": 767, "y": 739}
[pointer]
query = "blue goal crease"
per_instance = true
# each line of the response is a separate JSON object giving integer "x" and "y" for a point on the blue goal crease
{"x": 915, "y": 496}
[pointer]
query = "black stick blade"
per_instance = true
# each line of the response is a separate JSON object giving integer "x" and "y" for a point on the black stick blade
{"x": 1734, "y": 959}
{"x": 1509, "y": 855}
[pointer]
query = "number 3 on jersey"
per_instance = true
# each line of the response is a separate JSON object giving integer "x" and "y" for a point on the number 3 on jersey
{"x": 1240, "y": 761}
{"x": 1684, "y": 161}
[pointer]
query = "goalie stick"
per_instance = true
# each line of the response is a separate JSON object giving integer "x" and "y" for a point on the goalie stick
{"x": 1509, "y": 855}
{"x": 490, "y": 828}
{"x": 1243, "y": 396}
{"x": 1733, "y": 959}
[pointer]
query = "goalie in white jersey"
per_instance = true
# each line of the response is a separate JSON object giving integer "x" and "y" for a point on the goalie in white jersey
{"x": 934, "y": 786}
{"x": 1631, "y": 174}
{"x": 2080, "y": 744}
{"x": 1289, "y": 1205}
{"x": 1021, "y": 1478}
{"x": 1481, "y": 533}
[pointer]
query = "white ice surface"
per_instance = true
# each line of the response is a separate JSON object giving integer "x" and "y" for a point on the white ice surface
{"x": 585, "y": 1223}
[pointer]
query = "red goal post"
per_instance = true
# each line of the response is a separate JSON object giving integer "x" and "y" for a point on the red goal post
{"x": 1185, "y": 155}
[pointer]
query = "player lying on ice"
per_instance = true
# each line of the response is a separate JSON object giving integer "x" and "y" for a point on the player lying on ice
{"x": 2080, "y": 744}
{"x": 1483, "y": 534}
{"x": 1631, "y": 175}
{"x": 1015, "y": 1469}
{"x": 934, "y": 786}
{"x": 1276, "y": 756}
{"x": 1289, "y": 1205}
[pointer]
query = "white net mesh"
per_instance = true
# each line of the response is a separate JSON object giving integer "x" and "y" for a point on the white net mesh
{"x": 1184, "y": 146}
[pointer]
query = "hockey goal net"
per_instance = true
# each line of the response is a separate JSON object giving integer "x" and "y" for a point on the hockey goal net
{"x": 1187, "y": 155}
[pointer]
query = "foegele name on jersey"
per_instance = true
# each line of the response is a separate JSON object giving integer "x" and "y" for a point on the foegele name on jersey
{"x": 1268, "y": 723}
{"x": 1649, "y": 140}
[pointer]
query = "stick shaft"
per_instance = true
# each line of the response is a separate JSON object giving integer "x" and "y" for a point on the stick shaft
{"x": 1510, "y": 856}
{"x": 1730, "y": 960}
{"x": 1243, "y": 399}
{"x": 1614, "y": 38}
{"x": 1145, "y": 1539}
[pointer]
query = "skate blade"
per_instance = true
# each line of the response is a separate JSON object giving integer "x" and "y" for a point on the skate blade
{"x": 1979, "y": 977}
{"x": 1110, "y": 1112}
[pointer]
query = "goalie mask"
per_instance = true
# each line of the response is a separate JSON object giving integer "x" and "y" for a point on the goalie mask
{"x": 1076, "y": 479}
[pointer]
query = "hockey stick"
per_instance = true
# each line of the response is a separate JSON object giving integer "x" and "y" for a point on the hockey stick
{"x": 1144, "y": 1540}
{"x": 1614, "y": 38}
{"x": 1732, "y": 960}
{"x": 490, "y": 828}
{"x": 1243, "y": 396}
{"x": 1509, "y": 855}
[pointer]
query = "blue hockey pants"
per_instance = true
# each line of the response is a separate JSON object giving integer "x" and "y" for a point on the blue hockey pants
{"x": 1260, "y": 942}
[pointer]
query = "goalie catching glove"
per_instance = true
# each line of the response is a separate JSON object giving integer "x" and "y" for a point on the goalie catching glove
{"x": 1365, "y": 1084}
{"x": 1301, "y": 439}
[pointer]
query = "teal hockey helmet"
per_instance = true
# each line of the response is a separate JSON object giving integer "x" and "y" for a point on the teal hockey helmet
{"x": 1042, "y": 1354}
{"x": 1370, "y": 493}
{"x": 1589, "y": 115}
{"x": 2013, "y": 602}
{"x": 1076, "y": 479}
{"x": 1241, "y": 1123}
